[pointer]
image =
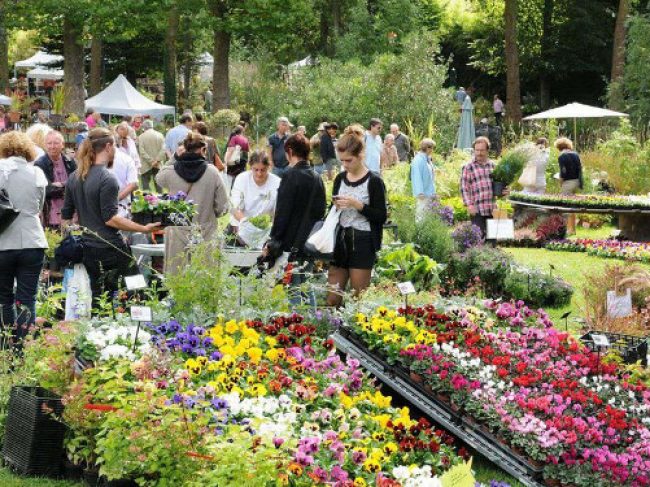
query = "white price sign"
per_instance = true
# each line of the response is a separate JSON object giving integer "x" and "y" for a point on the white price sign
{"x": 600, "y": 340}
{"x": 136, "y": 282}
{"x": 141, "y": 313}
{"x": 406, "y": 288}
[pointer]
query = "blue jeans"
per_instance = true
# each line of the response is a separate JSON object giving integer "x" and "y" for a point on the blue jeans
{"x": 280, "y": 171}
{"x": 19, "y": 305}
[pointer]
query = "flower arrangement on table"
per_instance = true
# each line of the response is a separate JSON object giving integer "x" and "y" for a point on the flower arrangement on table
{"x": 609, "y": 248}
{"x": 536, "y": 388}
{"x": 586, "y": 201}
{"x": 248, "y": 402}
{"x": 167, "y": 209}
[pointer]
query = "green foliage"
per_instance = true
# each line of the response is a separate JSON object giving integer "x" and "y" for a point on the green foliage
{"x": 460, "y": 210}
{"x": 480, "y": 267}
{"x": 635, "y": 79}
{"x": 509, "y": 168}
{"x": 405, "y": 264}
{"x": 448, "y": 174}
{"x": 537, "y": 289}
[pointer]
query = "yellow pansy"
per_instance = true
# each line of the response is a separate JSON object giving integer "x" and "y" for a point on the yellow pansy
{"x": 271, "y": 342}
{"x": 232, "y": 327}
{"x": 254, "y": 354}
{"x": 371, "y": 466}
{"x": 359, "y": 482}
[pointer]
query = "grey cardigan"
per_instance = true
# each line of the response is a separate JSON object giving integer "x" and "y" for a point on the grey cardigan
{"x": 25, "y": 184}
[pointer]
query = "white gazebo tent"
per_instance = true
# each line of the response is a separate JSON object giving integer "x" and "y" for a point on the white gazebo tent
{"x": 205, "y": 62}
{"x": 575, "y": 111}
{"x": 121, "y": 98}
{"x": 5, "y": 100}
{"x": 40, "y": 59}
{"x": 45, "y": 73}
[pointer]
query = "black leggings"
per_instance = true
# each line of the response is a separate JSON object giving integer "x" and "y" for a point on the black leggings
{"x": 106, "y": 266}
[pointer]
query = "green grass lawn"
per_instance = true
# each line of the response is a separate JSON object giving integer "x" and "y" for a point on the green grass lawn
{"x": 570, "y": 266}
{"x": 8, "y": 479}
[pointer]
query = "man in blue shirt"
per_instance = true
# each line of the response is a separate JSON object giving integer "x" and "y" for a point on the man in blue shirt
{"x": 276, "y": 146}
{"x": 374, "y": 145}
{"x": 177, "y": 135}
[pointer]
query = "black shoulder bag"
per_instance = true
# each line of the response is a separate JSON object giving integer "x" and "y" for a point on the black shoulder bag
{"x": 7, "y": 211}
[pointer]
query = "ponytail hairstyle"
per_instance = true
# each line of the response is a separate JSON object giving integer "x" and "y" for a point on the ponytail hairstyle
{"x": 352, "y": 141}
{"x": 194, "y": 142}
{"x": 90, "y": 147}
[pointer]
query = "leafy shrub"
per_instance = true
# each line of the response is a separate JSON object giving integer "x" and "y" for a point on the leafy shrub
{"x": 537, "y": 288}
{"x": 448, "y": 174}
{"x": 458, "y": 207}
{"x": 405, "y": 264}
{"x": 551, "y": 228}
{"x": 512, "y": 163}
{"x": 484, "y": 266}
{"x": 466, "y": 235}
{"x": 431, "y": 236}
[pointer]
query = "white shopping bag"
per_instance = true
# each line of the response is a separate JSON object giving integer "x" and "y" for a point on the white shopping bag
{"x": 252, "y": 236}
{"x": 619, "y": 306}
{"x": 78, "y": 299}
{"x": 500, "y": 229}
{"x": 323, "y": 240}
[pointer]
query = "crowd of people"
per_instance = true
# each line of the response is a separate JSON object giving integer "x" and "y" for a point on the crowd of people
{"x": 93, "y": 186}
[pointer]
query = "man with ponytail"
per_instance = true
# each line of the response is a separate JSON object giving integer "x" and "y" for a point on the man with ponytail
{"x": 92, "y": 193}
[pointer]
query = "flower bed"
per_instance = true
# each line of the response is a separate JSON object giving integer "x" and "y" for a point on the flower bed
{"x": 587, "y": 201}
{"x": 246, "y": 401}
{"x": 613, "y": 249}
{"x": 536, "y": 388}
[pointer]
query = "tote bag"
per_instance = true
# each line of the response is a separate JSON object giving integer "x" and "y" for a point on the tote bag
{"x": 322, "y": 239}
{"x": 528, "y": 176}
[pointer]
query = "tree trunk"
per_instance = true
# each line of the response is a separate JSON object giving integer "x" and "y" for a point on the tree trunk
{"x": 325, "y": 30}
{"x": 188, "y": 63}
{"x": 618, "y": 55}
{"x": 513, "y": 90}
{"x": 546, "y": 56}
{"x": 221, "y": 70}
{"x": 96, "y": 62}
{"x": 169, "y": 75}
{"x": 4, "y": 51}
{"x": 73, "y": 67}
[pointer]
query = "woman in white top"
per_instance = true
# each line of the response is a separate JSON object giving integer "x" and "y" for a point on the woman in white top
{"x": 22, "y": 242}
{"x": 540, "y": 162}
{"x": 254, "y": 192}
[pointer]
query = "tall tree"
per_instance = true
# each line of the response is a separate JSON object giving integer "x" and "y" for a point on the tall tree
{"x": 96, "y": 63}
{"x": 73, "y": 66}
{"x": 513, "y": 89}
{"x": 618, "y": 53}
{"x": 545, "y": 54}
{"x": 169, "y": 74}
{"x": 4, "y": 49}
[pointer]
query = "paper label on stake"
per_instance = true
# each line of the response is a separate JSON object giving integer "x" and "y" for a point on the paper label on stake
{"x": 459, "y": 476}
{"x": 619, "y": 306}
{"x": 600, "y": 340}
{"x": 141, "y": 313}
{"x": 406, "y": 288}
{"x": 135, "y": 282}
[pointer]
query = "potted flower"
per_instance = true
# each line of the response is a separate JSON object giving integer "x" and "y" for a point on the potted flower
{"x": 15, "y": 109}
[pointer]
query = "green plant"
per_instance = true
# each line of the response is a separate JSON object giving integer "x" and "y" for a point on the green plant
{"x": 49, "y": 302}
{"x": 482, "y": 267}
{"x": 53, "y": 238}
{"x": 405, "y": 264}
{"x": 510, "y": 166}
{"x": 460, "y": 210}
{"x": 263, "y": 222}
{"x": 537, "y": 289}
{"x": 58, "y": 99}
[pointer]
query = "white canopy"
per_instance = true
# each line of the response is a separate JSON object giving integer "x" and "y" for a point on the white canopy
{"x": 5, "y": 100}
{"x": 41, "y": 58}
{"x": 576, "y": 110}
{"x": 45, "y": 73}
{"x": 121, "y": 98}
{"x": 303, "y": 63}
{"x": 205, "y": 58}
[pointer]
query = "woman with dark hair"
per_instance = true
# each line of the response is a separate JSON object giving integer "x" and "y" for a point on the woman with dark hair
{"x": 361, "y": 196}
{"x": 200, "y": 180}
{"x": 300, "y": 204}
{"x": 236, "y": 155}
{"x": 212, "y": 154}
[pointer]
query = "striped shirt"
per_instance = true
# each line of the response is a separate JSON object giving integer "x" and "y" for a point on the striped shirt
{"x": 476, "y": 186}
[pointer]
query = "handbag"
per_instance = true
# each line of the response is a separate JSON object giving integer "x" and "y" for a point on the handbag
{"x": 322, "y": 238}
{"x": 234, "y": 157}
{"x": 7, "y": 211}
{"x": 528, "y": 176}
{"x": 70, "y": 251}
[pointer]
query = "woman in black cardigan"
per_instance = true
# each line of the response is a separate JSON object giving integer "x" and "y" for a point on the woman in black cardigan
{"x": 361, "y": 196}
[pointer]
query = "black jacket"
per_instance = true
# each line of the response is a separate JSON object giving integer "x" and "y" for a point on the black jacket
{"x": 47, "y": 166}
{"x": 375, "y": 211}
{"x": 327, "y": 148}
{"x": 291, "y": 227}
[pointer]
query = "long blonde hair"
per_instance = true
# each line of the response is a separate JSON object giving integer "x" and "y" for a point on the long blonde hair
{"x": 94, "y": 143}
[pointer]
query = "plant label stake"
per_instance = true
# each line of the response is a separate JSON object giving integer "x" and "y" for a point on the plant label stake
{"x": 140, "y": 314}
{"x": 600, "y": 342}
{"x": 406, "y": 288}
{"x": 565, "y": 317}
{"x": 133, "y": 283}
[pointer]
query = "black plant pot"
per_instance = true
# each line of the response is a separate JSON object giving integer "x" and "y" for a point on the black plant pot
{"x": 142, "y": 218}
{"x": 498, "y": 187}
{"x": 33, "y": 440}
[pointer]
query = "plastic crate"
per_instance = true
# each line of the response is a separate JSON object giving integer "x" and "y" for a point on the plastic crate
{"x": 33, "y": 441}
